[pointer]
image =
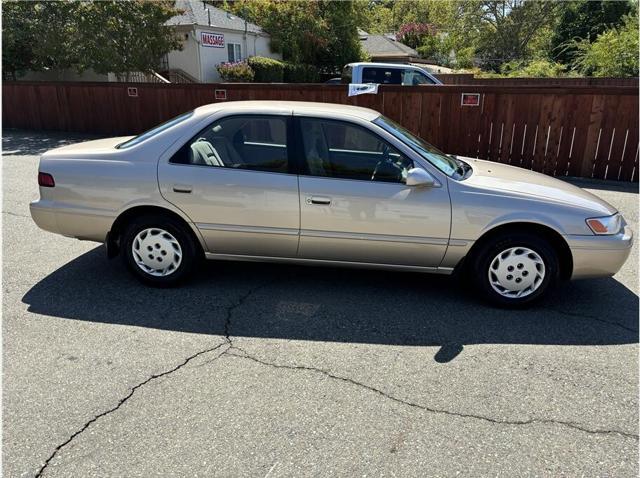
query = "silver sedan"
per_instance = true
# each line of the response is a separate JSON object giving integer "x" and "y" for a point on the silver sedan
{"x": 326, "y": 184}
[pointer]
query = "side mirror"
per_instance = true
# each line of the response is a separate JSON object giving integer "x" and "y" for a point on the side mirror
{"x": 419, "y": 177}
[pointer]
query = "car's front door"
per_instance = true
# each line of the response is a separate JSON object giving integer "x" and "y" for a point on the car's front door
{"x": 233, "y": 180}
{"x": 355, "y": 205}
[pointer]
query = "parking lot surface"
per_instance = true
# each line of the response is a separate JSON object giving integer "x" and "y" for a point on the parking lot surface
{"x": 283, "y": 371}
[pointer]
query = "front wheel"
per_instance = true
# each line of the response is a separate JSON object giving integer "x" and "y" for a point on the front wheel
{"x": 158, "y": 250}
{"x": 515, "y": 269}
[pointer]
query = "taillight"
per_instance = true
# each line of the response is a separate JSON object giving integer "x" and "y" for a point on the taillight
{"x": 46, "y": 180}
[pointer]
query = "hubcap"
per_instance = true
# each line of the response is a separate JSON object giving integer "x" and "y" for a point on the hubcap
{"x": 156, "y": 252}
{"x": 516, "y": 272}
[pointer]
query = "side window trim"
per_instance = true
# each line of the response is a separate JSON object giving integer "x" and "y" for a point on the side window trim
{"x": 288, "y": 118}
{"x": 300, "y": 160}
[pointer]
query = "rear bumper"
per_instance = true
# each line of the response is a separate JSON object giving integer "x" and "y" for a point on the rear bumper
{"x": 70, "y": 222}
{"x": 599, "y": 256}
{"x": 44, "y": 217}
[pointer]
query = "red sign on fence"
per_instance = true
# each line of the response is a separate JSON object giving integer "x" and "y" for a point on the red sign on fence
{"x": 220, "y": 94}
{"x": 214, "y": 40}
{"x": 470, "y": 99}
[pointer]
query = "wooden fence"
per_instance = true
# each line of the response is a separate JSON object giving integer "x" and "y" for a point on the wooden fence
{"x": 577, "y": 131}
{"x": 470, "y": 79}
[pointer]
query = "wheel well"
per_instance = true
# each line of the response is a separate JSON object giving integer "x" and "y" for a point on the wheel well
{"x": 565, "y": 257}
{"x": 114, "y": 235}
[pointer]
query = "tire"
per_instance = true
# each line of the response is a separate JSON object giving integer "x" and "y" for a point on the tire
{"x": 159, "y": 250}
{"x": 515, "y": 269}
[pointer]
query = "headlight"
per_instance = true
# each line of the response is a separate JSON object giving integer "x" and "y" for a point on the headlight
{"x": 605, "y": 225}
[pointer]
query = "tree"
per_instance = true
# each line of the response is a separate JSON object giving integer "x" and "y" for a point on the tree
{"x": 613, "y": 53}
{"x": 124, "y": 36}
{"x": 323, "y": 33}
{"x": 509, "y": 28}
{"x": 584, "y": 20}
{"x": 108, "y": 36}
{"x": 18, "y": 39}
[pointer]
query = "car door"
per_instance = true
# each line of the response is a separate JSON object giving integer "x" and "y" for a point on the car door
{"x": 233, "y": 179}
{"x": 355, "y": 205}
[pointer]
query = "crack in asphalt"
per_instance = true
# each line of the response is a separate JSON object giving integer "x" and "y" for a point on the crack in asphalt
{"x": 228, "y": 341}
{"x": 16, "y": 214}
{"x": 441, "y": 411}
{"x": 591, "y": 317}
{"x": 124, "y": 400}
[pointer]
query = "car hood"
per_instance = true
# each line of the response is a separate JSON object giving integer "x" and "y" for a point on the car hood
{"x": 86, "y": 147}
{"x": 521, "y": 182}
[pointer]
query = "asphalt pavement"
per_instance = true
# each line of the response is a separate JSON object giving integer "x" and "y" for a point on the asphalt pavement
{"x": 262, "y": 370}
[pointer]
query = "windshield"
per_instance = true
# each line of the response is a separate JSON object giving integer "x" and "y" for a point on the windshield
{"x": 154, "y": 131}
{"x": 449, "y": 165}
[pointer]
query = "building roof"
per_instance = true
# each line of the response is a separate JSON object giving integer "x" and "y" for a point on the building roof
{"x": 383, "y": 45}
{"x": 198, "y": 13}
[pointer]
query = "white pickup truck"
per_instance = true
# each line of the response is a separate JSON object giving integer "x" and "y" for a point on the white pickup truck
{"x": 387, "y": 74}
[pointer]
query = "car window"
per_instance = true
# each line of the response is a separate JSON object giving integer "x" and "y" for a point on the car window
{"x": 445, "y": 163}
{"x": 413, "y": 78}
{"x": 383, "y": 76}
{"x": 154, "y": 131}
{"x": 257, "y": 143}
{"x": 338, "y": 149}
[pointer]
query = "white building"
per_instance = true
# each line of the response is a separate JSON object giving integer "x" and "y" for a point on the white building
{"x": 212, "y": 36}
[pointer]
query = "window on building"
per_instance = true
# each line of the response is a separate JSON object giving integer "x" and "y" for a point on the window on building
{"x": 235, "y": 52}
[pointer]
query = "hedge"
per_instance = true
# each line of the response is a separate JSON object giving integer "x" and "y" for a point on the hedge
{"x": 267, "y": 70}
{"x": 298, "y": 73}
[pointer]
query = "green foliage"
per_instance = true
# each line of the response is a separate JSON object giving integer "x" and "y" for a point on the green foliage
{"x": 267, "y": 70}
{"x": 237, "y": 72}
{"x": 614, "y": 53}
{"x": 18, "y": 35}
{"x": 107, "y": 36}
{"x": 322, "y": 33}
{"x": 532, "y": 69}
{"x": 296, "y": 73}
{"x": 584, "y": 20}
{"x": 121, "y": 37}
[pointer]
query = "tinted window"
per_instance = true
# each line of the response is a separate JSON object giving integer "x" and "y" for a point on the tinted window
{"x": 154, "y": 131}
{"x": 257, "y": 143}
{"x": 342, "y": 150}
{"x": 413, "y": 78}
{"x": 388, "y": 76}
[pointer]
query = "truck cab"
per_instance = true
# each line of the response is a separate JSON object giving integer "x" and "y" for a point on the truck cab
{"x": 387, "y": 74}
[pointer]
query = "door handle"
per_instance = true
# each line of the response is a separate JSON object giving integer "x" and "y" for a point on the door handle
{"x": 321, "y": 200}
{"x": 182, "y": 188}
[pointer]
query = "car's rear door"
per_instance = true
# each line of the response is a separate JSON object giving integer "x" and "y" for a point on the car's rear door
{"x": 355, "y": 205}
{"x": 233, "y": 179}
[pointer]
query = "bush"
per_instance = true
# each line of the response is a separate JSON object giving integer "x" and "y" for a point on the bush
{"x": 613, "y": 53}
{"x": 238, "y": 72}
{"x": 267, "y": 70}
{"x": 533, "y": 69}
{"x": 297, "y": 73}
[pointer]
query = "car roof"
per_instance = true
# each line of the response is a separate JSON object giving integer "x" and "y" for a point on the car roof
{"x": 384, "y": 65}
{"x": 296, "y": 107}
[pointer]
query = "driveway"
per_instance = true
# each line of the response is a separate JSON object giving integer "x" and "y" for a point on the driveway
{"x": 282, "y": 371}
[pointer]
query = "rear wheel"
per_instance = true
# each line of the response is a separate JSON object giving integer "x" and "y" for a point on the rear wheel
{"x": 159, "y": 250}
{"x": 516, "y": 269}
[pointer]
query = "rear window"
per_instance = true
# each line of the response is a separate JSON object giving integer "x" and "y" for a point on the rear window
{"x": 154, "y": 131}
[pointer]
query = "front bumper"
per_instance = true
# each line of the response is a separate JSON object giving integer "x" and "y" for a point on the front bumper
{"x": 599, "y": 256}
